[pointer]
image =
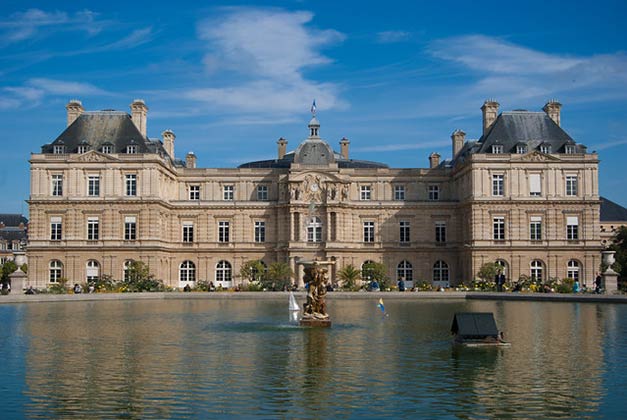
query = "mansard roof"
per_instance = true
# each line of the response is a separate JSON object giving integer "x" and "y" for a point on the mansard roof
{"x": 100, "y": 128}
{"x": 530, "y": 128}
{"x": 612, "y": 212}
{"x": 12, "y": 219}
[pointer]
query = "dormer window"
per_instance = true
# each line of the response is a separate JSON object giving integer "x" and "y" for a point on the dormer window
{"x": 570, "y": 149}
{"x": 497, "y": 148}
{"x": 107, "y": 148}
{"x": 521, "y": 149}
{"x": 131, "y": 149}
{"x": 83, "y": 148}
{"x": 545, "y": 148}
{"x": 58, "y": 149}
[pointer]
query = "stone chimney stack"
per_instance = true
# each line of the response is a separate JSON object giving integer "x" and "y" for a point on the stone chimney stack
{"x": 139, "y": 111}
{"x": 458, "y": 137}
{"x": 282, "y": 147}
{"x": 490, "y": 111}
{"x": 168, "y": 142}
{"x": 74, "y": 110}
{"x": 553, "y": 108}
{"x": 190, "y": 160}
{"x": 434, "y": 160}
{"x": 344, "y": 143}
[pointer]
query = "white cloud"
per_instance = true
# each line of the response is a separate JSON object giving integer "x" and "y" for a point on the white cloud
{"x": 25, "y": 25}
{"x": 35, "y": 90}
{"x": 268, "y": 50}
{"x": 59, "y": 87}
{"x": 403, "y": 146}
{"x": 388, "y": 37}
{"x": 607, "y": 145}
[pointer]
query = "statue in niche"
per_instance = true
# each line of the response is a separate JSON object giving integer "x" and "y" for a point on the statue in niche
{"x": 344, "y": 192}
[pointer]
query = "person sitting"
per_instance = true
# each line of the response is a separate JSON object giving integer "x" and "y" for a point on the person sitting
{"x": 30, "y": 291}
{"x": 187, "y": 288}
{"x": 401, "y": 284}
{"x": 517, "y": 287}
{"x": 77, "y": 289}
{"x": 374, "y": 286}
{"x": 576, "y": 287}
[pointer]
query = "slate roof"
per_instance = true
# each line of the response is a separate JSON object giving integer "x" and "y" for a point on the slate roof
{"x": 98, "y": 128}
{"x": 530, "y": 128}
{"x": 288, "y": 159}
{"x": 13, "y": 219}
{"x": 10, "y": 234}
{"x": 612, "y": 212}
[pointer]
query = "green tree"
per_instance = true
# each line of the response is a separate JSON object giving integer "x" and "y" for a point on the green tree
{"x": 619, "y": 244}
{"x": 253, "y": 271}
{"x": 7, "y": 268}
{"x": 376, "y": 271}
{"x": 279, "y": 276}
{"x": 349, "y": 275}
{"x": 488, "y": 271}
{"x": 139, "y": 279}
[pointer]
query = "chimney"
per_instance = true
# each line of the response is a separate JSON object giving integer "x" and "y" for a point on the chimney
{"x": 139, "y": 111}
{"x": 168, "y": 142}
{"x": 490, "y": 110}
{"x": 190, "y": 160}
{"x": 282, "y": 147}
{"x": 552, "y": 108}
{"x": 458, "y": 138}
{"x": 74, "y": 110}
{"x": 434, "y": 160}
{"x": 344, "y": 143}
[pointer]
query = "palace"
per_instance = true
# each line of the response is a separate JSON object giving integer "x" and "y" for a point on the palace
{"x": 103, "y": 194}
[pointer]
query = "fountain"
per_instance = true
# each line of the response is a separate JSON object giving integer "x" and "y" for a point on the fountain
{"x": 314, "y": 310}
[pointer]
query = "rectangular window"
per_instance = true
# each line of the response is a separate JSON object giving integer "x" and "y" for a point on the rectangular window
{"x": 535, "y": 228}
{"x": 131, "y": 149}
{"x": 223, "y": 231}
{"x": 571, "y": 185}
{"x": 434, "y": 192}
{"x": 535, "y": 185}
{"x": 130, "y": 228}
{"x": 57, "y": 185}
{"x": 58, "y": 150}
{"x": 404, "y": 232}
{"x": 107, "y": 148}
{"x": 188, "y": 232}
{"x": 545, "y": 148}
{"x": 369, "y": 232}
{"x": 262, "y": 193}
{"x": 93, "y": 185}
{"x": 365, "y": 192}
{"x": 440, "y": 232}
{"x": 521, "y": 149}
{"x": 194, "y": 192}
{"x": 399, "y": 192}
{"x": 498, "y": 224}
{"x": 227, "y": 192}
{"x": 260, "y": 231}
{"x": 56, "y": 228}
{"x": 92, "y": 229}
{"x": 131, "y": 185}
{"x": 572, "y": 228}
{"x": 570, "y": 149}
{"x": 497, "y": 148}
{"x": 83, "y": 149}
{"x": 497, "y": 185}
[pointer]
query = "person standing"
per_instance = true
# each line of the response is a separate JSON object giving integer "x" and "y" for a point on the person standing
{"x": 597, "y": 284}
{"x": 499, "y": 280}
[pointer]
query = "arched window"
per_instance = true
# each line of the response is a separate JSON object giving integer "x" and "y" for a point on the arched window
{"x": 92, "y": 273}
{"x": 440, "y": 271}
{"x": 314, "y": 230}
{"x": 56, "y": 271}
{"x": 537, "y": 268}
{"x": 404, "y": 271}
{"x": 504, "y": 266}
{"x": 187, "y": 271}
{"x": 223, "y": 271}
{"x": 574, "y": 267}
{"x": 127, "y": 267}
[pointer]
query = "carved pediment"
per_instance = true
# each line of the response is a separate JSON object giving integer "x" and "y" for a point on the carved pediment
{"x": 536, "y": 156}
{"x": 314, "y": 187}
{"x": 93, "y": 156}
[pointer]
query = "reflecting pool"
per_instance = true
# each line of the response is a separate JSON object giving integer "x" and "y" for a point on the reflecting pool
{"x": 241, "y": 358}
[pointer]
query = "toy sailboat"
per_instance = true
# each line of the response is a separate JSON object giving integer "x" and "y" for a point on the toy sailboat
{"x": 293, "y": 308}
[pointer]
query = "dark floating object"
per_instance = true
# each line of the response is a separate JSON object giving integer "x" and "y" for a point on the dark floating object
{"x": 476, "y": 329}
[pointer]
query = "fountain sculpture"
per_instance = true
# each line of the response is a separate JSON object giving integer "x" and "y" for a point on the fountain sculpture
{"x": 314, "y": 310}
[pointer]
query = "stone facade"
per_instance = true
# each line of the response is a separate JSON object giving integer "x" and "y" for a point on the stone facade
{"x": 103, "y": 196}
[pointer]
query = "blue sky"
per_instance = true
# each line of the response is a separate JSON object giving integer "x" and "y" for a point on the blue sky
{"x": 395, "y": 77}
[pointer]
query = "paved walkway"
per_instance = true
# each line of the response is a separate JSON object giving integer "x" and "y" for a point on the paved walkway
{"x": 549, "y": 297}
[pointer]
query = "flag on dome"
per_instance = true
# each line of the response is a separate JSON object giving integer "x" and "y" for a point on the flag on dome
{"x": 313, "y": 107}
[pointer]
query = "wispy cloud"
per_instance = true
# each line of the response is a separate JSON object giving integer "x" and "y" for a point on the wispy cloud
{"x": 403, "y": 146}
{"x": 25, "y": 25}
{"x": 388, "y": 37}
{"x": 607, "y": 145}
{"x": 36, "y": 89}
{"x": 261, "y": 56}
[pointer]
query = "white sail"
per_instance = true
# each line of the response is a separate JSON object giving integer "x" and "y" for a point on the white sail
{"x": 294, "y": 308}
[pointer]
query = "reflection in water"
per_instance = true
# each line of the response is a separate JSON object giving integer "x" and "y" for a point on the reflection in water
{"x": 180, "y": 358}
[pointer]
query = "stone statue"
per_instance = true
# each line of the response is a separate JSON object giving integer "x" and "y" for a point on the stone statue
{"x": 315, "y": 308}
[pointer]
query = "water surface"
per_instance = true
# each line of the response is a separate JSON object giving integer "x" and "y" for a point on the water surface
{"x": 242, "y": 358}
